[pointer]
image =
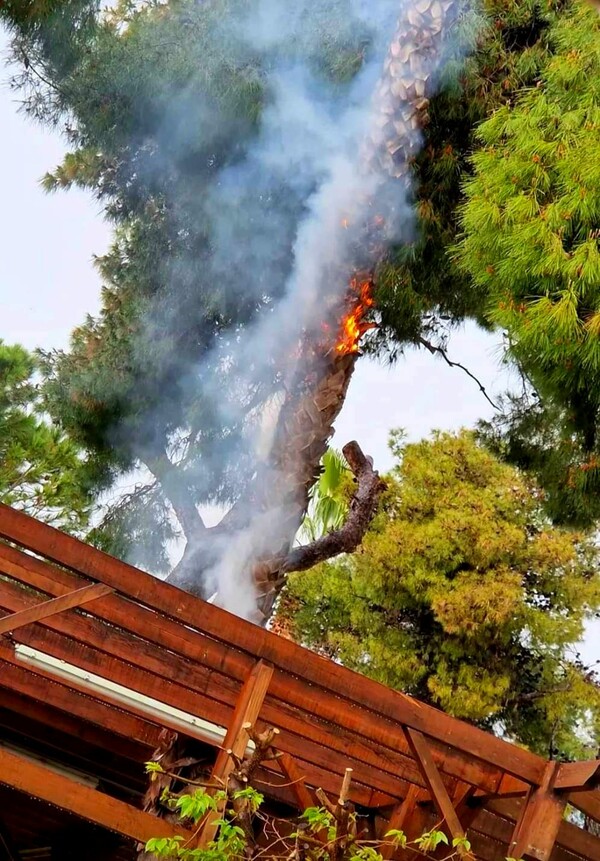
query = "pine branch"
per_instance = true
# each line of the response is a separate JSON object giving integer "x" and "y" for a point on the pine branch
{"x": 433, "y": 349}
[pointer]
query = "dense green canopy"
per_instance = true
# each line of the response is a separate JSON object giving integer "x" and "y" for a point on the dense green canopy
{"x": 162, "y": 104}
{"x": 42, "y": 472}
{"x": 531, "y": 224}
{"x": 464, "y": 595}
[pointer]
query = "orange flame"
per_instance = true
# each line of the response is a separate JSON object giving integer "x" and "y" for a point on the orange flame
{"x": 353, "y": 326}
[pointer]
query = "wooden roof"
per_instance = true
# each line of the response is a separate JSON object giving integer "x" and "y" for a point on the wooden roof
{"x": 71, "y": 602}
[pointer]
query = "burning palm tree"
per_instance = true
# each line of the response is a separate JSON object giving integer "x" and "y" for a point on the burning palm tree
{"x": 311, "y": 407}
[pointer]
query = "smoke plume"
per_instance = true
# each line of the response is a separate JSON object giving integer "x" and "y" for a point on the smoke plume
{"x": 264, "y": 214}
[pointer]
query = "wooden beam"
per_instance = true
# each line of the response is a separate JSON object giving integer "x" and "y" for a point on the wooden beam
{"x": 435, "y": 784}
{"x": 40, "y": 782}
{"x": 400, "y": 818}
{"x": 247, "y": 710}
{"x": 577, "y": 776}
{"x": 49, "y": 608}
{"x": 76, "y": 701}
{"x": 541, "y": 818}
{"x": 388, "y": 762}
{"x": 15, "y": 708}
{"x": 245, "y": 715}
{"x": 385, "y": 765}
{"x": 509, "y": 787}
{"x": 283, "y": 654}
{"x": 506, "y": 812}
{"x": 296, "y": 779}
{"x": 588, "y": 801}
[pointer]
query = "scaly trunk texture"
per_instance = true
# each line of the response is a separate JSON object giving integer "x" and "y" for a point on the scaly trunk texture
{"x": 279, "y": 496}
{"x": 306, "y": 420}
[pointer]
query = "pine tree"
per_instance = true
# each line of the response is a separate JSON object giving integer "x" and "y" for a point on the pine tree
{"x": 531, "y": 226}
{"x": 464, "y": 595}
{"x": 42, "y": 472}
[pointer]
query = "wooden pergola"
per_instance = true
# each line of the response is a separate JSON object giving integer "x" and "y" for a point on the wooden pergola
{"x": 100, "y": 662}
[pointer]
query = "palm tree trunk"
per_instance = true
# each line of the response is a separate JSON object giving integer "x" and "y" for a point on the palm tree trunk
{"x": 306, "y": 421}
{"x": 279, "y": 496}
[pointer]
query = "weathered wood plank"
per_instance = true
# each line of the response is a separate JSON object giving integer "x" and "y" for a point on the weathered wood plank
{"x": 577, "y": 776}
{"x": 45, "y": 609}
{"x": 435, "y": 784}
{"x": 68, "y": 551}
{"x": 44, "y": 688}
{"x": 40, "y": 782}
{"x": 290, "y": 715}
{"x": 383, "y": 765}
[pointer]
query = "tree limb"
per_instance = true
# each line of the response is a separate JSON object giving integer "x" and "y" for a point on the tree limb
{"x": 441, "y": 352}
{"x": 179, "y": 495}
{"x": 362, "y": 510}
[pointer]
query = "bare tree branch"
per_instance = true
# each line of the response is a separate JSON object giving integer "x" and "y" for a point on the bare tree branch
{"x": 440, "y": 351}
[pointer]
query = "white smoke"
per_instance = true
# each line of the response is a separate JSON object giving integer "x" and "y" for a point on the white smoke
{"x": 301, "y": 175}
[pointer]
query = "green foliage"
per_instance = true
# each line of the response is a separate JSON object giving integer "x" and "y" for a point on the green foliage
{"x": 501, "y": 47}
{"x": 464, "y": 595}
{"x": 231, "y": 841}
{"x": 42, "y": 471}
{"x": 531, "y": 226}
{"x": 329, "y": 497}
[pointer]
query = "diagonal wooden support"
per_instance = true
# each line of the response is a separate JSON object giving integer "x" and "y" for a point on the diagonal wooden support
{"x": 303, "y": 796}
{"x": 53, "y": 606}
{"x": 244, "y": 717}
{"x": 540, "y": 820}
{"x": 400, "y": 818}
{"x": 435, "y": 784}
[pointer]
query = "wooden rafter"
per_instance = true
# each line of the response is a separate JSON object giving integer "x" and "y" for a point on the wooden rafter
{"x": 435, "y": 784}
{"x": 385, "y": 764}
{"x": 45, "y": 609}
{"x": 40, "y": 782}
{"x": 153, "y": 639}
{"x": 540, "y": 820}
{"x": 287, "y": 656}
{"x": 577, "y": 776}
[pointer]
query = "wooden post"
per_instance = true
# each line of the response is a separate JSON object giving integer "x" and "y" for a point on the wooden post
{"x": 541, "y": 817}
{"x": 244, "y": 717}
